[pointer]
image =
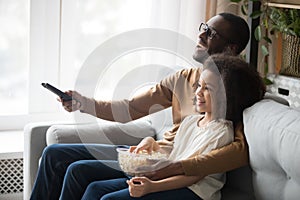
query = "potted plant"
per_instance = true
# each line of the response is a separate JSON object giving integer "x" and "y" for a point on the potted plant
{"x": 278, "y": 21}
{"x": 261, "y": 32}
{"x": 287, "y": 22}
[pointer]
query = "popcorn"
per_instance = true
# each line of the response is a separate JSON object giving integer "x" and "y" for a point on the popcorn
{"x": 129, "y": 162}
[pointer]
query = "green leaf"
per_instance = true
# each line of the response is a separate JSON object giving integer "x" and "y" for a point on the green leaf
{"x": 257, "y": 33}
{"x": 292, "y": 32}
{"x": 244, "y": 9}
{"x": 264, "y": 50}
{"x": 267, "y": 39}
{"x": 236, "y": 1}
{"x": 267, "y": 81}
{"x": 256, "y": 14}
{"x": 266, "y": 24}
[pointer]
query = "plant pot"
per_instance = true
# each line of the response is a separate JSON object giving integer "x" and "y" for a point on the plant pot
{"x": 290, "y": 64}
{"x": 286, "y": 1}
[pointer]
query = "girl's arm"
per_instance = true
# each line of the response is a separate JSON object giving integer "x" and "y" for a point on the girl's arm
{"x": 148, "y": 144}
{"x": 140, "y": 186}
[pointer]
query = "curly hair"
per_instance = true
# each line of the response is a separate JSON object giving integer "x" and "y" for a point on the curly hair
{"x": 242, "y": 83}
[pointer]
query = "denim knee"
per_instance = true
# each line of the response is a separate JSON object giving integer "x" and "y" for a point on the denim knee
{"x": 109, "y": 197}
{"x": 115, "y": 196}
{"x": 74, "y": 169}
{"x": 93, "y": 192}
{"x": 50, "y": 156}
{"x": 51, "y": 150}
{"x": 92, "y": 187}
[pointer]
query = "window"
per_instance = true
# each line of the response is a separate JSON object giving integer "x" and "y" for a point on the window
{"x": 63, "y": 34}
{"x": 14, "y": 43}
{"x": 87, "y": 24}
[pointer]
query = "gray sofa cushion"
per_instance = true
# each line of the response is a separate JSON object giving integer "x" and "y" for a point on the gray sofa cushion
{"x": 104, "y": 133}
{"x": 273, "y": 134}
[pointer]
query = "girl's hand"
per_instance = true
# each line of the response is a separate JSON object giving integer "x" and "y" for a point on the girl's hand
{"x": 140, "y": 186}
{"x": 73, "y": 105}
{"x": 148, "y": 144}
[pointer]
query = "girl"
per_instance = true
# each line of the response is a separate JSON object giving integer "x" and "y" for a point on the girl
{"x": 226, "y": 87}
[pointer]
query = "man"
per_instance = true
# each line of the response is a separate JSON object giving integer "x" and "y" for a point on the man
{"x": 66, "y": 170}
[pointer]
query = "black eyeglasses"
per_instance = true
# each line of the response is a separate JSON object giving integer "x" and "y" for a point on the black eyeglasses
{"x": 210, "y": 31}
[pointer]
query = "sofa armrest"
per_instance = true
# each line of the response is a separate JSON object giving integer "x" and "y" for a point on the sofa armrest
{"x": 34, "y": 143}
{"x": 38, "y": 135}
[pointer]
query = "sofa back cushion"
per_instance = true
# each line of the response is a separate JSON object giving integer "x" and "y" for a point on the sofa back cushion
{"x": 162, "y": 121}
{"x": 104, "y": 132}
{"x": 273, "y": 134}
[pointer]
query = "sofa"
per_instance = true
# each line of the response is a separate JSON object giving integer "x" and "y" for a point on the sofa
{"x": 272, "y": 130}
{"x": 273, "y": 134}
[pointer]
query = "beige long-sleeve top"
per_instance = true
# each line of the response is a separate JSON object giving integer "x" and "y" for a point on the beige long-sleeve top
{"x": 177, "y": 91}
{"x": 194, "y": 140}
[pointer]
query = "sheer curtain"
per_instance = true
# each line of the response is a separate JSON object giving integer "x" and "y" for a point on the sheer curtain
{"x": 14, "y": 44}
{"x": 214, "y": 7}
{"x": 86, "y": 25}
{"x": 61, "y": 34}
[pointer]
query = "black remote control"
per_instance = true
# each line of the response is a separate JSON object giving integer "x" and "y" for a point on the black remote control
{"x": 58, "y": 92}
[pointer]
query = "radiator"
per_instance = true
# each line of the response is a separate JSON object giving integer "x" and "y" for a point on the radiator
{"x": 11, "y": 176}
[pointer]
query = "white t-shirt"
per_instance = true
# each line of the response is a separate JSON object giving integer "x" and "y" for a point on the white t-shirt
{"x": 191, "y": 139}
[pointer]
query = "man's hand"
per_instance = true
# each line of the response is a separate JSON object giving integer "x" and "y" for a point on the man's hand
{"x": 173, "y": 169}
{"x": 73, "y": 105}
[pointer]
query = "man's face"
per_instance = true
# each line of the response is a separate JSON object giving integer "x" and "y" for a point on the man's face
{"x": 217, "y": 44}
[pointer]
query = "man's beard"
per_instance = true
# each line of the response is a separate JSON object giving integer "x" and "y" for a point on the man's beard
{"x": 200, "y": 55}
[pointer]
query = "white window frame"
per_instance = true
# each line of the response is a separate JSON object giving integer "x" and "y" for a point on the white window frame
{"x": 44, "y": 53}
{"x": 44, "y": 64}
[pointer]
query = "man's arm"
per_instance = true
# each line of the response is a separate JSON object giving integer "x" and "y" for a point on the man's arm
{"x": 155, "y": 99}
{"x": 227, "y": 158}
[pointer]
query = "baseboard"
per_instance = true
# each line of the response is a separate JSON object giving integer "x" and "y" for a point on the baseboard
{"x": 13, "y": 196}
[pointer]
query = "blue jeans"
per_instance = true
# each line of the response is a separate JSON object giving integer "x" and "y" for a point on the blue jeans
{"x": 67, "y": 169}
{"x": 116, "y": 189}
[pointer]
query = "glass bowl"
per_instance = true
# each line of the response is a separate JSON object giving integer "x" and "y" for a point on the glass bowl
{"x": 133, "y": 163}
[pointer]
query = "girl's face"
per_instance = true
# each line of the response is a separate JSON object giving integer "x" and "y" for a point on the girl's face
{"x": 205, "y": 91}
